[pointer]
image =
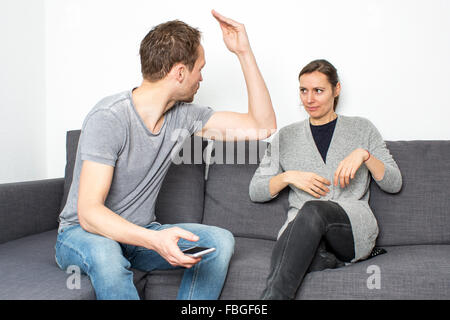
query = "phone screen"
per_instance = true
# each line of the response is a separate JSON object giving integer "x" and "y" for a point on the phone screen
{"x": 194, "y": 250}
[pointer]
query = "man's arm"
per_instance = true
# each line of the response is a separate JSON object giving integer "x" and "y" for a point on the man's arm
{"x": 260, "y": 121}
{"x": 95, "y": 217}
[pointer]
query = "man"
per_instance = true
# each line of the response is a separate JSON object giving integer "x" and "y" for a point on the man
{"x": 107, "y": 225}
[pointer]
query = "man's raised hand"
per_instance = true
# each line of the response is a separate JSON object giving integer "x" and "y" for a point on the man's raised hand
{"x": 234, "y": 34}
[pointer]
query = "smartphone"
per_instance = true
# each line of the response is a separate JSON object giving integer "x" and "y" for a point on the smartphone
{"x": 197, "y": 251}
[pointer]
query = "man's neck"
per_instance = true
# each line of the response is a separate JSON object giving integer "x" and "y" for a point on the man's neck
{"x": 152, "y": 101}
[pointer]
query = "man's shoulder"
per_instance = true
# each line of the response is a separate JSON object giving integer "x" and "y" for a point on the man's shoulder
{"x": 110, "y": 107}
{"x": 113, "y": 102}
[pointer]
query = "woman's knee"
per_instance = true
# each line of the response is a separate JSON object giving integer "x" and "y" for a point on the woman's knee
{"x": 311, "y": 214}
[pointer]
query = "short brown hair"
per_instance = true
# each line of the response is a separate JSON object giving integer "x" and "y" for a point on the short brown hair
{"x": 327, "y": 69}
{"x": 166, "y": 44}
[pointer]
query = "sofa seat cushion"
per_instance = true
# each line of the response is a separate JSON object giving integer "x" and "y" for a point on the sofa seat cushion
{"x": 29, "y": 271}
{"x": 405, "y": 272}
{"x": 246, "y": 277}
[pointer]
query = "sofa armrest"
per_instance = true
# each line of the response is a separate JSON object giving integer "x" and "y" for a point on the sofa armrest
{"x": 30, "y": 207}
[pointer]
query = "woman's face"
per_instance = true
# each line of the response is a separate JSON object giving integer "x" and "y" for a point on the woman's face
{"x": 317, "y": 94}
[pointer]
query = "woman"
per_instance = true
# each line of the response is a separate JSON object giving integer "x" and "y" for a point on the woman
{"x": 326, "y": 161}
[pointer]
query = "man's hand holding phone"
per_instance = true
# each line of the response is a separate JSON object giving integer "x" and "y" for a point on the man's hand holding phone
{"x": 167, "y": 246}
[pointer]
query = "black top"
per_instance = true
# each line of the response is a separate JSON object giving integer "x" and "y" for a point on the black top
{"x": 322, "y": 137}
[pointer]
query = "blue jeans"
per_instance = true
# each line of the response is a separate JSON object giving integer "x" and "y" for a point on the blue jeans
{"x": 108, "y": 263}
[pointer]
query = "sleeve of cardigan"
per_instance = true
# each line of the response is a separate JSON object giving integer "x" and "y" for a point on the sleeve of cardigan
{"x": 392, "y": 179}
{"x": 268, "y": 168}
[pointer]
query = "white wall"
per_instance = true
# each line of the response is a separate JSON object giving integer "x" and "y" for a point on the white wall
{"x": 22, "y": 91}
{"x": 392, "y": 57}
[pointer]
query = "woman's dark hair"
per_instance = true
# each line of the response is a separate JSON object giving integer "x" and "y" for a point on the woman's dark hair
{"x": 327, "y": 69}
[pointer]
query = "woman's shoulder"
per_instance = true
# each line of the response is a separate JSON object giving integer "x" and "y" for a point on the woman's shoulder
{"x": 293, "y": 127}
{"x": 356, "y": 122}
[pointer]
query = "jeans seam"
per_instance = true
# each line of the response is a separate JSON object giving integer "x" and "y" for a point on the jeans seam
{"x": 83, "y": 259}
{"x": 337, "y": 224}
{"x": 194, "y": 280}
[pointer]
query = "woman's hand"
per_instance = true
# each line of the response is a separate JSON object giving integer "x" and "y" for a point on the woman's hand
{"x": 234, "y": 34}
{"x": 348, "y": 167}
{"x": 309, "y": 182}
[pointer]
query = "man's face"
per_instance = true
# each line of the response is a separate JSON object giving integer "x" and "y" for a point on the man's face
{"x": 194, "y": 77}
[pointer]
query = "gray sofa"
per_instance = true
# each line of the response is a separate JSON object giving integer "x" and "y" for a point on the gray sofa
{"x": 414, "y": 229}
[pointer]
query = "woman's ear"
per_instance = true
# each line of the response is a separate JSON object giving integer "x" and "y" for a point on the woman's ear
{"x": 337, "y": 89}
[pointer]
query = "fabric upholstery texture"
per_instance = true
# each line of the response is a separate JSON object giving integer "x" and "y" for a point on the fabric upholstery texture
{"x": 182, "y": 194}
{"x": 420, "y": 213}
{"x": 405, "y": 272}
{"x": 246, "y": 276}
{"x": 227, "y": 200}
{"x": 29, "y": 271}
{"x": 28, "y": 208}
{"x": 228, "y": 205}
{"x": 72, "y": 138}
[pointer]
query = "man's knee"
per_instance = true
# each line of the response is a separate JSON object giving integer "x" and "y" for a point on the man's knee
{"x": 223, "y": 241}
{"x": 106, "y": 258}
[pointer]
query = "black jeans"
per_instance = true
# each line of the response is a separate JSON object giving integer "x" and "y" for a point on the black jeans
{"x": 300, "y": 247}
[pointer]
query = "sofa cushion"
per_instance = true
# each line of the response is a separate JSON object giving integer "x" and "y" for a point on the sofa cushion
{"x": 405, "y": 272}
{"x": 29, "y": 207}
{"x": 182, "y": 194}
{"x": 246, "y": 276}
{"x": 420, "y": 213}
{"x": 29, "y": 271}
{"x": 72, "y": 138}
{"x": 227, "y": 200}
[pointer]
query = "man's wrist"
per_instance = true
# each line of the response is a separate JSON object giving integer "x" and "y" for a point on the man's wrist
{"x": 245, "y": 55}
{"x": 149, "y": 238}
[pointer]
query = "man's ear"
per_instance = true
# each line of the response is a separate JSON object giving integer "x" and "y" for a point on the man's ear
{"x": 178, "y": 72}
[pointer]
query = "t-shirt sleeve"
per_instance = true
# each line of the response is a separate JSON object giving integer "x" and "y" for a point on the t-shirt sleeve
{"x": 195, "y": 116}
{"x": 102, "y": 138}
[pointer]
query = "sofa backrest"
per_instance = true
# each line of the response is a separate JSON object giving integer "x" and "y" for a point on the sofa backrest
{"x": 29, "y": 207}
{"x": 72, "y": 138}
{"x": 227, "y": 201}
{"x": 420, "y": 212}
{"x": 182, "y": 195}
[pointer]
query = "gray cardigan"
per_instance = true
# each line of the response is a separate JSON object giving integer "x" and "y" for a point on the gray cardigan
{"x": 293, "y": 148}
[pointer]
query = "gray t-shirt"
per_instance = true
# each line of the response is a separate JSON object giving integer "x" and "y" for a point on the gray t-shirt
{"x": 114, "y": 134}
